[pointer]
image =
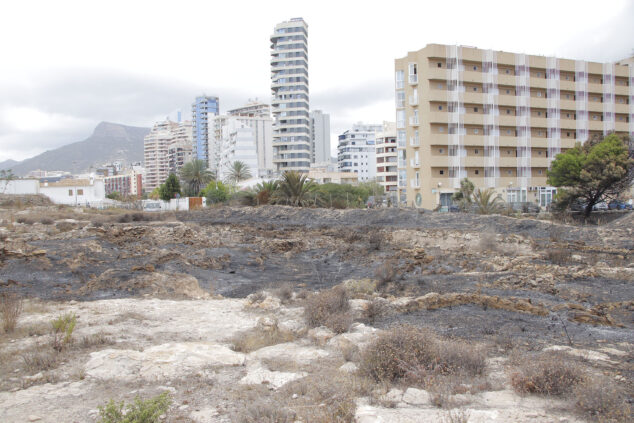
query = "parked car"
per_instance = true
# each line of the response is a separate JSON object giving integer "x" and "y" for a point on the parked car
{"x": 619, "y": 205}
{"x": 602, "y": 206}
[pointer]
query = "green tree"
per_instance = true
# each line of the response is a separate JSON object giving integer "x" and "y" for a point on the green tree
{"x": 114, "y": 196}
{"x": 293, "y": 189}
{"x": 216, "y": 192}
{"x": 264, "y": 191}
{"x": 195, "y": 176}
{"x": 464, "y": 196}
{"x": 155, "y": 194}
{"x": 592, "y": 172}
{"x": 487, "y": 201}
{"x": 170, "y": 188}
{"x": 239, "y": 171}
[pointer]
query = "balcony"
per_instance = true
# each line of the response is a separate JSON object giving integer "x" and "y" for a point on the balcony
{"x": 413, "y": 121}
{"x": 413, "y": 163}
{"x": 414, "y": 141}
{"x": 413, "y": 79}
{"x": 402, "y": 163}
{"x": 413, "y": 100}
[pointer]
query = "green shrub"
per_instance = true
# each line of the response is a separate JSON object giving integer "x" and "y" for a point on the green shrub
{"x": 140, "y": 411}
{"x": 63, "y": 328}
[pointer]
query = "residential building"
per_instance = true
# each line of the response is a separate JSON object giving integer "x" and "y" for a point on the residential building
{"x": 386, "y": 159}
{"x": 290, "y": 105}
{"x": 324, "y": 173}
{"x": 244, "y": 138}
{"x": 201, "y": 109}
{"x": 126, "y": 184}
{"x": 356, "y": 151}
{"x": 75, "y": 192}
{"x": 252, "y": 109}
{"x": 166, "y": 149}
{"x": 319, "y": 136}
{"x": 499, "y": 119}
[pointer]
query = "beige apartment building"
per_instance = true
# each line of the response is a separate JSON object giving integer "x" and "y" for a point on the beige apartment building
{"x": 499, "y": 119}
{"x": 386, "y": 160}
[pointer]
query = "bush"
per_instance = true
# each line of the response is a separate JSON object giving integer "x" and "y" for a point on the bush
{"x": 547, "y": 374}
{"x": 416, "y": 354}
{"x": 385, "y": 273}
{"x": 38, "y": 361}
{"x": 140, "y": 411}
{"x": 559, "y": 256}
{"x": 11, "y": 308}
{"x": 46, "y": 221}
{"x": 63, "y": 328}
{"x": 329, "y": 308}
{"x": 257, "y": 338}
{"x": 64, "y": 226}
{"x": 601, "y": 399}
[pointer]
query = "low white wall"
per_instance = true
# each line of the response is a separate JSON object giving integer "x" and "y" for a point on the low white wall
{"x": 20, "y": 187}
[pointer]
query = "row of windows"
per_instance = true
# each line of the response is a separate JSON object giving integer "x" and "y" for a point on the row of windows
{"x": 523, "y": 90}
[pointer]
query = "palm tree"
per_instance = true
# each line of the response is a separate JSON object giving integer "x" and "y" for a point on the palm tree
{"x": 463, "y": 196}
{"x": 487, "y": 201}
{"x": 239, "y": 171}
{"x": 264, "y": 191}
{"x": 293, "y": 189}
{"x": 196, "y": 175}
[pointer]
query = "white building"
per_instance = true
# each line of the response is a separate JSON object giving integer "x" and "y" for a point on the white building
{"x": 75, "y": 192}
{"x": 290, "y": 105}
{"x": 386, "y": 159}
{"x": 319, "y": 136}
{"x": 240, "y": 137}
{"x": 356, "y": 151}
{"x": 252, "y": 109}
{"x": 166, "y": 149}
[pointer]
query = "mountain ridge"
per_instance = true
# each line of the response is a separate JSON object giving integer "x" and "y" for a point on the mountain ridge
{"x": 108, "y": 142}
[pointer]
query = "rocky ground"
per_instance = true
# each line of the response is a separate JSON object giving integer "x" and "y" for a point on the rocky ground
{"x": 164, "y": 302}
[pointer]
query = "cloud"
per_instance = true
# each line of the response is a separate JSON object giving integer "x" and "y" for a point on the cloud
{"x": 46, "y": 110}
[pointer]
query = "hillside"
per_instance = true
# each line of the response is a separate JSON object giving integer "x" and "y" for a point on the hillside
{"x": 108, "y": 142}
{"x": 8, "y": 164}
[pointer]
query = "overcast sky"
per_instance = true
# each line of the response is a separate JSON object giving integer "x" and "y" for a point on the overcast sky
{"x": 67, "y": 65}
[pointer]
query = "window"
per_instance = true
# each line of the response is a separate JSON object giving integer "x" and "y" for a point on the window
{"x": 509, "y": 172}
{"x": 439, "y": 86}
{"x": 70, "y": 192}
{"x": 508, "y": 91}
{"x": 539, "y": 74}
{"x": 439, "y": 65}
{"x": 508, "y": 71}
{"x": 540, "y": 171}
{"x": 442, "y": 172}
{"x": 400, "y": 99}
{"x": 475, "y": 68}
{"x": 475, "y": 88}
{"x": 477, "y": 172}
{"x": 80, "y": 192}
{"x": 476, "y": 151}
{"x": 508, "y": 132}
{"x": 568, "y": 115}
{"x": 441, "y": 129}
{"x": 539, "y": 93}
{"x": 508, "y": 111}
{"x": 441, "y": 151}
{"x": 439, "y": 107}
{"x": 539, "y": 113}
{"x": 539, "y": 152}
{"x": 475, "y": 109}
{"x": 567, "y": 96}
{"x": 400, "y": 78}
{"x": 568, "y": 134}
{"x": 476, "y": 131}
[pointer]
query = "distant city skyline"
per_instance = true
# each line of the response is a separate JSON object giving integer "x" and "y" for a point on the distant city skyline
{"x": 63, "y": 72}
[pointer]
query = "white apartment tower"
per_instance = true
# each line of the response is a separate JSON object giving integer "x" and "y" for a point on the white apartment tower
{"x": 289, "y": 87}
{"x": 166, "y": 149}
{"x": 356, "y": 151}
{"x": 319, "y": 136}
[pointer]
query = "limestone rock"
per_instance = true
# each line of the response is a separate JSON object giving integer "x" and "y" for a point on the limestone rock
{"x": 257, "y": 374}
{"x": 415, "y": 396}
{"x": 320, "y": 335}
{"x": 289, "y": 351}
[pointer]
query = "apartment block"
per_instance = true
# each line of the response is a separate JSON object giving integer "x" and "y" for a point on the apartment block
{"x": 290, "y": 105}
{"x": 127, "y": 184}
{"x": 244, "y": 138}
{"x": 386, "y": 159}
{"x": 202, "y": 107}
{"x": 499, "y": 118}
{"x": 166, "y": 149}
{"x": 319, "y": 136}
{"x": 252, "y": 109}
{"x": 356, "y": 151}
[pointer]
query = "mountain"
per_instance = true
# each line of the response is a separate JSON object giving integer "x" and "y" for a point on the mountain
{"x": 108, "y": 142}
{"x": 8, "y": 164}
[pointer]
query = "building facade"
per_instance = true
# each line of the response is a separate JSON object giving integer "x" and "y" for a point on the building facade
{"x": 356, "y": 151}
{"x": 386, "y": 159}
{"x": 127, "y": 184}
{"x": 201, "y": 109}
{"x": 499, "y": 119}
{"x": 244, "y": 138}
{"x": 252, "y": 109}
{"x": 319, "y": 136}
{"x": 181, "y": 149}
{"x": 166, "y": 149}
{"x": 290, "y": 105}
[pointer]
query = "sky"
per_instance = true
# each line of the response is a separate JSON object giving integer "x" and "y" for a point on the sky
{"x": 67, "y": 65}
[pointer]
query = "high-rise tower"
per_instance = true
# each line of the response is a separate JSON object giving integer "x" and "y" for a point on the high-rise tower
{"x": 290, "y": 106}
{"x": 200, "y": 108}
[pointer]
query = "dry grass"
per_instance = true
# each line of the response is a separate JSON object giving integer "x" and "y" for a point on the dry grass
{"x": 257, "y": 338}
{"x": 559, "y": 256}
{"x": 374, "y": 310}
{"x": 385, "y": 273}
{"x": 456, "y": 416}
{"x": 65, "y": 226}
{"x": 10, "y": 308}
{"x": 284, "y": 292}
{"x": 407, "y": 352}
{"x": 488, "y": 241}
{"x": 39, "y": 360}
{"x": 95, "y": 340}
{"x": 329, "y": 308}
{"x": 547, "y": 374}
{"x": 601, "y": 399}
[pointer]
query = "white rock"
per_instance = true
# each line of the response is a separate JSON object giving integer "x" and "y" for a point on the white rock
{"x": 34, "y": 418}
{"x": 320, "y": 335}
{"x": 394, "y": 395}
{"x": 290, "y": 352}
{"x": 415, "y": 396}
{"x": 257, "y": 374}
{"x": 349, "y": 367}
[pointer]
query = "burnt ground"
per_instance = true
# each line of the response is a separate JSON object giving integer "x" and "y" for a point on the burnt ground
{"x": 580, "y": 276}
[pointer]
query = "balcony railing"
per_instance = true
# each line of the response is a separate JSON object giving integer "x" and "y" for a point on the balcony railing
{"x": 413, "y": 101}
{"x": 413, "y": 79}
{"x": 413, "y": 120}
{"x": 414, "y": 163}
{"x": 414, "y": 141}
